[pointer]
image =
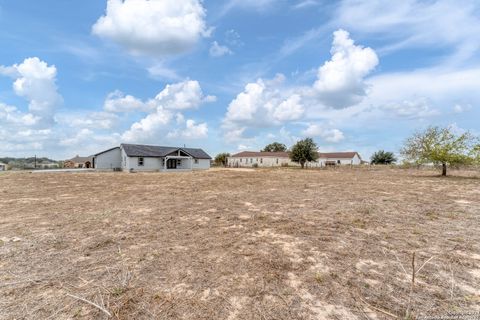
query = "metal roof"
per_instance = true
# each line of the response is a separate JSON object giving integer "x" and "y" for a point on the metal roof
{"x": 138, "y": 150}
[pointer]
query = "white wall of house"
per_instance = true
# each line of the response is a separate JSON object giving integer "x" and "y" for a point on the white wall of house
{"x": 279, "y": 161}
{"x": 108, "y": 160}
{"x": 157, "y": 164}
{"x": 260, "y": 162}
{"x": 149, "y": 164}
{"x": 201, "y": 164}
{"x": 3, "y": 167}
{"x": 342, "y": 161}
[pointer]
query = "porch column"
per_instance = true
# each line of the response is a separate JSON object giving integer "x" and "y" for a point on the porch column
{"x": 191, "y": 163}
{"x": 165, "y": 164}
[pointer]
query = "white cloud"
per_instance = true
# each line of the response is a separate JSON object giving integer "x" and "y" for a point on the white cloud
{"x": 329, "y": 135}
{"x": 191, "y": 131}
{"x": 150, "y": 126}
{"x": 289, "y": 109}
{"x": 418, "y": 108}
{"x": 90, "y": 120}
{"x": 340, "y": 84}
{"x": 413, "y": 23}
{"x": 160, "y": 71}
{"x": 35, "y": 80}
{"x": 10, "y": 115}
{"x": 233, "y": 38}
{"x": 217, "y": 50}
{"x": 164, "y": 111}
{"x": 461, "y": 108}
{"x": 263, "y": 103}
{"x": 340, "y": 81}
{"x": 153, "y": 27}
{"x": 259, "y": 5}
{"x": 117, "y": 101}
{"x": 305, "y": 4}
{"x": 183, "y": 95}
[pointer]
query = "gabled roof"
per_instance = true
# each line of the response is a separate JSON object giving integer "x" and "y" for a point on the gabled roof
{"x": 260, "y": 154}
{"x": 78, "y": 159}
{"x": 138, "y": 150}
{"x": 106, "y": 151}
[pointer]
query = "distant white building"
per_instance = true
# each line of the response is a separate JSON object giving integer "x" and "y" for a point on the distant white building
{"x": 137, "y": 157}
{"x": 278, "y": 159}
{"x": 3, "y": 167}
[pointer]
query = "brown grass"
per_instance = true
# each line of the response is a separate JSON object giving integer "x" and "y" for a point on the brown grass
{"x": 239, "y": 244}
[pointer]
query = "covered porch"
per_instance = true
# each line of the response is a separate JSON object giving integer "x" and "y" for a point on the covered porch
{"x": 179, "y": 161}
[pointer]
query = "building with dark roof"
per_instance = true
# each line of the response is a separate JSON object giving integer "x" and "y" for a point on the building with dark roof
{"x": 79, "y": 162}
{"x": 278, "y": 159}
{"x": 136, "y": 157}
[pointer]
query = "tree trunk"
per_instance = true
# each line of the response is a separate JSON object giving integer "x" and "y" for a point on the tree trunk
{"x": 302, "y": 164}
{"x": 444, "y": 169}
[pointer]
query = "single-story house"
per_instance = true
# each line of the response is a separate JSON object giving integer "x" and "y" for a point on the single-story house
{"x": 3, "y": 167}
{"x": 278, "y": 159}
{"x": 79, "y": 162}
{"x": 339, "y": 158}
{"x": 137, "y": 157}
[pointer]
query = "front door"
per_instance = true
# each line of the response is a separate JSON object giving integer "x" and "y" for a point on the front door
{"x": 172, "y": 164}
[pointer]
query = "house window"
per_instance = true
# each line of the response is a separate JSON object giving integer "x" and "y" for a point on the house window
{"x": 338, "y": 161}
{"x": 179, "y": 162}
{"x": 251, "y": 160}
{"x": 261, "y": 160}
{"x": 277, "y": 160}
{"x": 241, "y": 160}
{"x": 140, "y": 162}
{"x": 196, "y": 161}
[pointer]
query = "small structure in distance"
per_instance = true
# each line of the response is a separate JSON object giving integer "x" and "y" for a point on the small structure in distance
{"x": 78, "y": 162}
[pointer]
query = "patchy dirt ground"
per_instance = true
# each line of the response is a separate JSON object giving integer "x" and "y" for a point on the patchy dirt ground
{"x": 239, "y": 244}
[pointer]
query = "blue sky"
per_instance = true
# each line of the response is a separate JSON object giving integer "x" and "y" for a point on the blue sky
{"x": 77, "y": 77}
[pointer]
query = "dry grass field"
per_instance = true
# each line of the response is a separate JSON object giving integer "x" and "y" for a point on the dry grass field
{"x": 239, "y": 244}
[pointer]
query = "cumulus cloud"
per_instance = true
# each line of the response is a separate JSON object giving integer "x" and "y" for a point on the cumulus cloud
{"x": 165, "y": 110}
{"x": 117, "y": 101}
{"x": 153, "y": 27}
{"x": 35, "y": 81}
{"x": 329, "y": 135}
{"x": 149, "y": 126}
{"x": 340, "y": 80}
{"x": 178, "y": 96}
{"x": 340, "y": 84}
{"x": 263, "y": 103}
{"x": 217, "y": 50}
{"x": 183, "y": 95}
{"x": 190, "y": 131}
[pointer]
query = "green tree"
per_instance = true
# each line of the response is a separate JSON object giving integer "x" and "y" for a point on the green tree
{"x": 383, "y": 157}
{"x": 304, "y": 151}
{"x": 221, "y": 159}
{"x": 275, "y": 147}
{"x": 440, "y": 146}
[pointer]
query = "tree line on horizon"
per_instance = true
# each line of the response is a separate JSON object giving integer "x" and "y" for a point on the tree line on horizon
{"x": 436, "y": 145}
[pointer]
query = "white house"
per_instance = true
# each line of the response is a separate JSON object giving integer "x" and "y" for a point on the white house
{"x": 3, "y": 167}
{"x": 151, "y": 158}
{"x": 278, "y": 159}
